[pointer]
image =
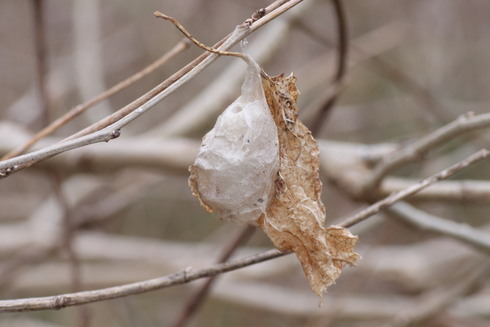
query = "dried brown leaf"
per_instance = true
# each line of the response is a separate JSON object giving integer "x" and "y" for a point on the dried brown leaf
{"x": 295, "y": 218}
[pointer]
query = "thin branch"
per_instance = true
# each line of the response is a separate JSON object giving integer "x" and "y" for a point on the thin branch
{"x": 420, "y": 148}
{"x": 109, "y": 128}
{"x": 342, "y": 60}
{"x": 461, "y": 191}
{"x": 186, "y": 276}
{"x": 194, "y": 40}
{"x": 10, "y": 166}
{"x": 203, "y": 108}
{"x": 71, "y": 299}
{"x": 270, "y": 13}
{"x": 390, "y": 200}
{"x": 462, "y": 232}
{"x": 79, "y": 109}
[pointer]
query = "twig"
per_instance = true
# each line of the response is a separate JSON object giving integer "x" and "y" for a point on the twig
{"x": 15, "y": 164}
{"x": 390, "y": 200}
{"x": 112, "y": 124}
{"x": 200, "y": 295}
{"x": 462, "y": 191}
{"x": 186, "y": 276}
{"x": 271, "y": 12}
{"x": 203, "y": 109}
{"x": 74, "y": 112}
{"x": 462, "y": 232}
{"x": 343, "y": 47}
{"x": 417, "y": 150}
{"x": 194, "y": 40}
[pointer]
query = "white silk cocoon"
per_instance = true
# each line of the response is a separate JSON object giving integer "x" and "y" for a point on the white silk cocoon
{"x": 237, "y": 164}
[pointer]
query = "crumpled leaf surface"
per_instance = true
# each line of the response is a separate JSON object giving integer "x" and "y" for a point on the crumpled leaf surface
{"x": 235, "y": 169}
{"x": 295, "y": 218}
{"x": 260, "y": 165}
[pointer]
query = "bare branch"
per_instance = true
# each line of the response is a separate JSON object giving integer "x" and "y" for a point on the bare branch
{"x": 419, "y": 149}
{"x": 390, "y": 200}
{"x": 186, "y": 276}
{"x": 15, "y": 164}
{"x": 196, "y": 42}
{"x": 197, "y": 65}
{"x": 462, "y": 191}
{"x": 428, "y": 222}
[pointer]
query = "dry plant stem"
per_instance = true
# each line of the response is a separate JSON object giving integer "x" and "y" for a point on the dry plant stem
{"x": 200, "y": 295}
{"x": 419, "y": 149}
{"x": 109, "y": 127}
{"x": 71, "y": 299}
{"x": 271, "y": 12}
{"x": 462, "y": 232}
{"x": 462, "y": 191}
{"x": 343, "y": 48}
{"x": 193, "y": 40}
{"x": 15, "y": 164}
{"x": 186, "y": 276}
{"x": 76, "y": 111}
{"x": 388, "y": 201}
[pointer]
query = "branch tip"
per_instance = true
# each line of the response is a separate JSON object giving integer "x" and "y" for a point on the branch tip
{"x": 181, "y": 28}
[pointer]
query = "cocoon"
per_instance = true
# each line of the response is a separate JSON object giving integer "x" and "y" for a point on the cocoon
{"x": 235, "y": 170}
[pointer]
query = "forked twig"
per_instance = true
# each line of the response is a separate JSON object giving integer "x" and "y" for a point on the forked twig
{"x": 194, "y": 40}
